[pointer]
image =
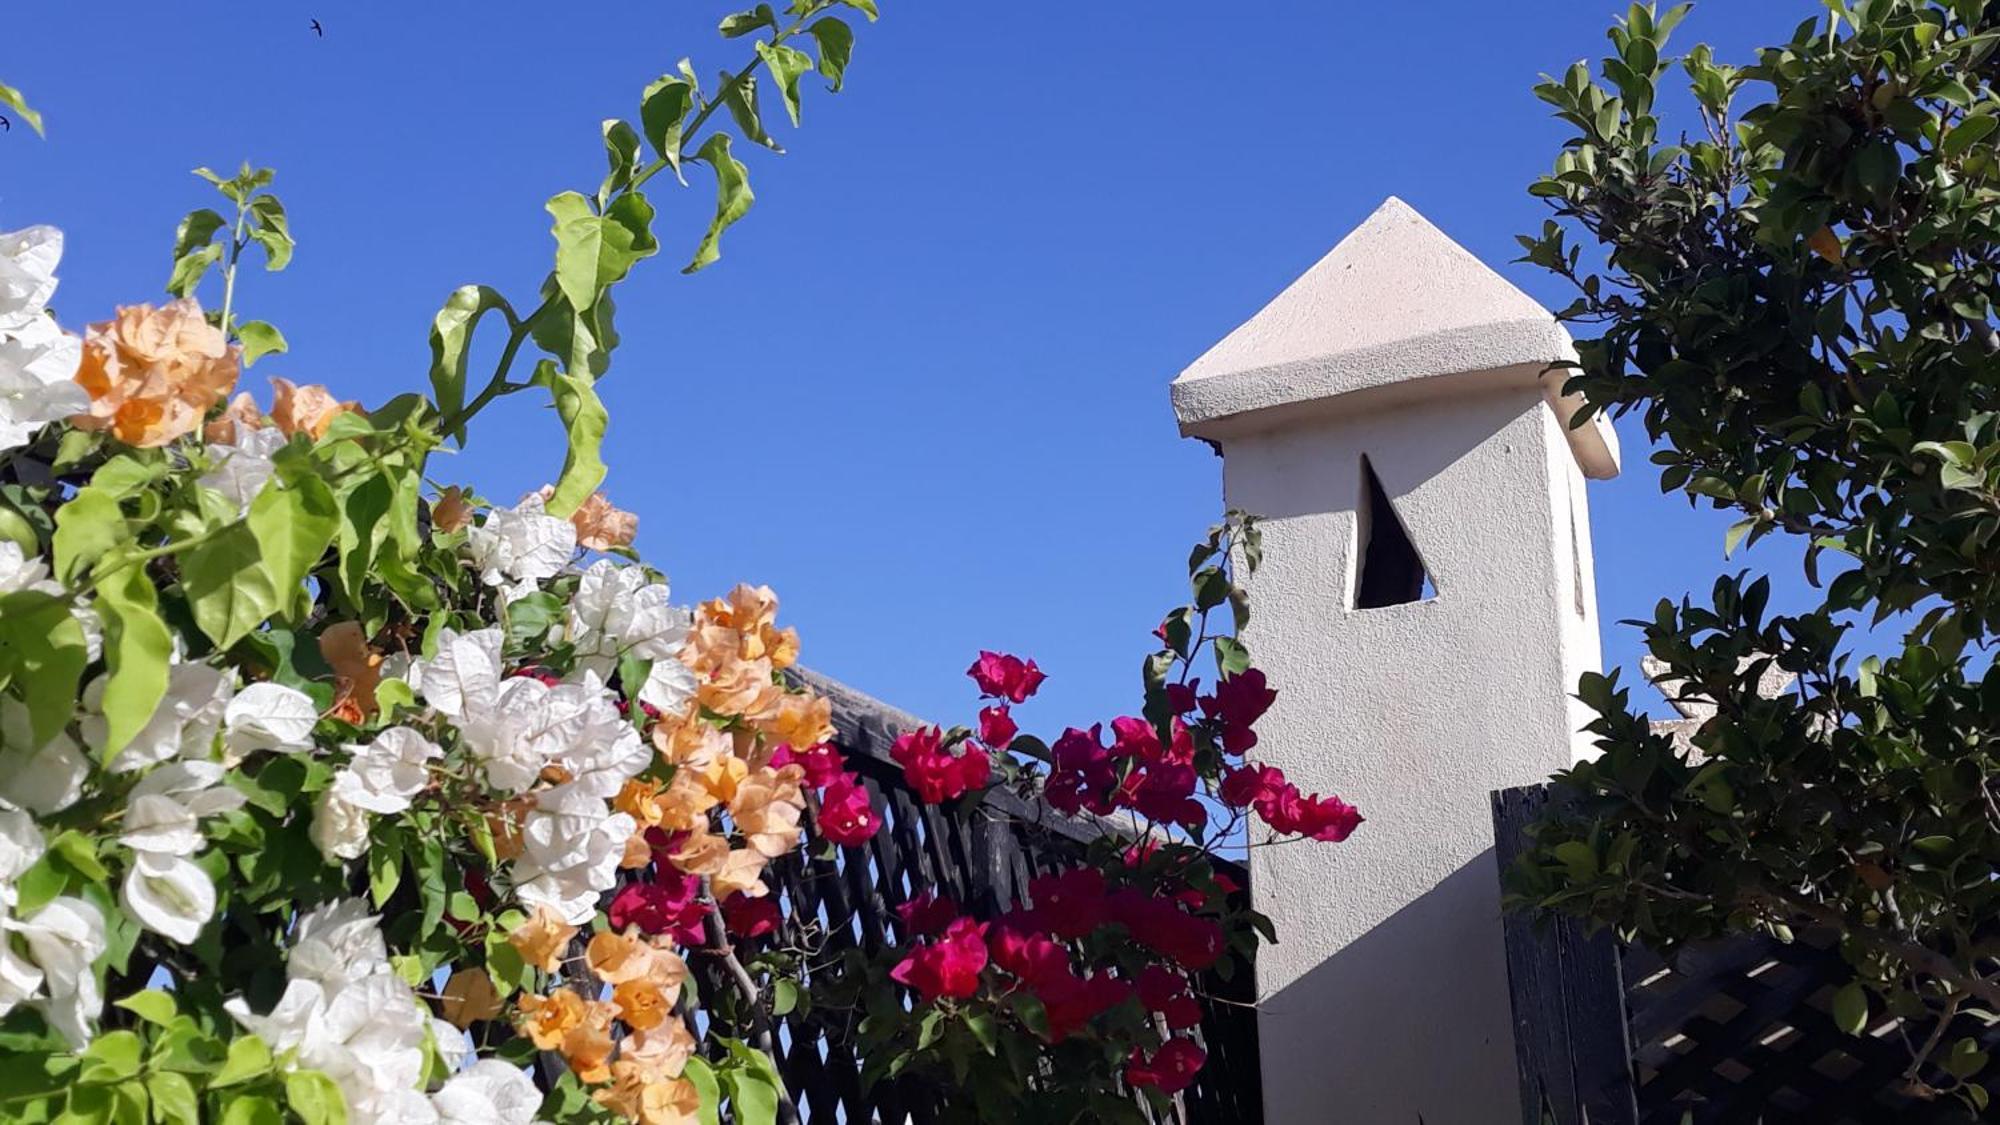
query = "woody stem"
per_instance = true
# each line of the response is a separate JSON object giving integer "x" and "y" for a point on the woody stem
{"x": 760, "y": 1021}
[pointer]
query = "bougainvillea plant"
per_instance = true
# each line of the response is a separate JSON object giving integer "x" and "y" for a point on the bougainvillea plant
{"x": 328, "y": 794}
{"x": 1067, "y": 1006}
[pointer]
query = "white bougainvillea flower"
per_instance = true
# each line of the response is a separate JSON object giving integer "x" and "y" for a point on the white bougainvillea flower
{"x": 28, "y": 260}
{"x": 37, "y": 359}
{"x": 19, "y": 572}
{"x": 594, "y": 744}
{"x": 42, "y": 780}
{"x": 268, "y": 716}
{"x": 337, "y": 943}
{"x": 618, "y": 610}
{"x": 284, "y": 1028}
{"x": 386, "y": 773}
{"x": 489, "y": 1092}
{"x": 240, "y": 469}
{"x": 157, "y": 824}
{"x": 528, "y": 724}
{"x": 569, "y": 859}
{"x": 196, "y": 785}
{"x": 21, "y": 847}
{"x": 63, "y": 938}
{"x": 20, "y": 978}
{"x": 519, "y": 546}
{"x": 183, "y": 725}
{"x": 339, "y": 830}
{"x": 453, "y": 1046}
{"x": 345, "y": 1012}
{"x": 169, "y": 895}
{"x": 464, "y": 676}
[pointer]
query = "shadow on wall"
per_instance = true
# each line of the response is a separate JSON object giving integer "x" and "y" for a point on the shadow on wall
{"x": 1459, "y": 1077}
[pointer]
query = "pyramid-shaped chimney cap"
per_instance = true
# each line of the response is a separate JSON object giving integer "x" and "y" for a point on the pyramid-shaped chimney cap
{"x": 1394, "y": 306}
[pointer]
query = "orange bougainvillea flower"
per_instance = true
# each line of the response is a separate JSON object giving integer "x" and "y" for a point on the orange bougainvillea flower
{"x": 689, "y": 740}
{"x": 658, "y": 1055}
{"x": 601, "y": 527}
{"x": 766, "y": 810}
{"x": 588, "y": 1045}
{"x": 357, "y": 669}
{"x": 468, "y": 997}
{"x": 702, "y": 853}
{"x": 542, "y": 940}
{"x": 742, "y": 875}
{"x": 451, "y": 511}
{"x": 800, "y": 720}
{"x": 306, "y": 410}
{"x": 241, "y": 415}
{"x": 154, "y": 374}
{"x": 673, "y": 1102}
{"x": 642, "y": 1004}
{"x": 548, "y": 1020}
{"x": 743, "y": 688}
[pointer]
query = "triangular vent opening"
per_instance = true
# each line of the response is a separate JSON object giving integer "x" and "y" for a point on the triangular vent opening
{"x": 1392, "y": 570}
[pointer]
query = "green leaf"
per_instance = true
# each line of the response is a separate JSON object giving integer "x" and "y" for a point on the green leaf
{"x": 111, "y": 1057}
{"x": 584, "y": 419}
{"x": 154, "y": 1005}
{"x": 595, "y": 251}
{"x": 228, "y": 587}
{"x": 137, "y": 649}
{"x": 385, "y": 863}
{"x": 1231, "y": 658}
{"x": 270, "y": 229}
{"x": 174, "y": 1100}
{"x": 1967, "y": 133}
{"x": 663, "y": 111}
{"x": 189, "y": 269}
{"x": 259, "y": 340}
{"x": 198, "y": 229}
{"x": 865, "y": 7}
{"x": 43, "y": 651}
{"x": 739, "y": 97}
{"x": 12, "y": 99}
{"x": 313, "y": 1096}
{"x": 451, "y": 338}
{"x": 753, "y": 1100}
{"x": 787, "y": 66}
{"x": 1850, "y": 1008}
{"x": 249, "y": 1058}
{"x": 743, "y": 23}
{"x": 732, "y": 198}
{"x": 621, "y": 152}
{"x": 1733, "y": 538}
{"x": 836, "y": 48}
{"x": 88, "y": 526}
{"x": 703, "y": 1076}
{"x": 248, "y": 1109}
{"x": 294, "y": 525}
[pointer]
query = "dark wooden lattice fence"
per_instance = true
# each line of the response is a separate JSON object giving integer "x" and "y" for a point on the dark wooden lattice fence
{"x": 983, "y": 858}
{"x": 1732, "y": 1031}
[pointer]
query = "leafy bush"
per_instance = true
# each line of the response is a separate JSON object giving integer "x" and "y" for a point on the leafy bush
{"x": 1799, "y": 301}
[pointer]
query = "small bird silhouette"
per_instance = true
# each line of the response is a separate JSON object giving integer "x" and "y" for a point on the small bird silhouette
{"x": 318, "y": 30}
{"x": 6, "y": 126}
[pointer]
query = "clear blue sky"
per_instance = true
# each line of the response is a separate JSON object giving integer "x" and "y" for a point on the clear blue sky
{"x": 924, "y": 395}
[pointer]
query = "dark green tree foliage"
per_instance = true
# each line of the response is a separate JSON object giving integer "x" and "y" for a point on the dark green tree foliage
{"x": 1797, "y": 297}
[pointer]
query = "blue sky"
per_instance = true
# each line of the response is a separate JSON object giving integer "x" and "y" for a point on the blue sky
{"x": 924, "y": 395}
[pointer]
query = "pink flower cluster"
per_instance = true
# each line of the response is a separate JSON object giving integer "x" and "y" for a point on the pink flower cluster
{"x": 670, "y": 904}
{"x": 934, "y": 772}
{"x": 949, "y": 953}
{"x": 1281, "y": 806}
{"x": 846, "y": 815}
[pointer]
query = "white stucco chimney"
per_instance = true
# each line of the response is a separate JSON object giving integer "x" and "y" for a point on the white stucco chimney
{"x": 1425, "y": 607}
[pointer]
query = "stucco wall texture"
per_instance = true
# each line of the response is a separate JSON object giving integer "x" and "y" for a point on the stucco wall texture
{"x": 1386, "y": 999}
